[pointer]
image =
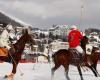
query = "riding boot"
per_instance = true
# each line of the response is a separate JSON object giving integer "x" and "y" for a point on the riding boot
{"x": 81, "y": 58}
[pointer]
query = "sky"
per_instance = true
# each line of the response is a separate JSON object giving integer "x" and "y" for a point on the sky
{"x": 45, "y": 13}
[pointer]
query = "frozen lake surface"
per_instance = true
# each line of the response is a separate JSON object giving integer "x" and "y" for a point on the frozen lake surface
{"x": 42, "y": 71}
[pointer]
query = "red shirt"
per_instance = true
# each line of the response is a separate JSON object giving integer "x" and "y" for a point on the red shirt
{"x": 74, "y": 38}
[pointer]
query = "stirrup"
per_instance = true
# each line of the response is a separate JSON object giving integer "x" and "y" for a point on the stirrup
{"x": 82, "y": 64}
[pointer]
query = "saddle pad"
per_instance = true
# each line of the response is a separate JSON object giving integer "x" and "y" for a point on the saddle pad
{"x": 3, "y": 52}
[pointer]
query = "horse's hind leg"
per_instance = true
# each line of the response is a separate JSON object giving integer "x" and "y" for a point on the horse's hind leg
{"x": 80, "y": 72}
{"x": 54, "y": 69}
{"x": 66, "y": 71}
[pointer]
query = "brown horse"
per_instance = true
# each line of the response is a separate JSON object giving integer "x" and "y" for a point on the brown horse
{"x": 14, "y": 54}
{"x": 66, "y": 57}
{"x": 94, "y": 57}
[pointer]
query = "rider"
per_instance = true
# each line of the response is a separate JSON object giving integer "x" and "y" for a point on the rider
{"x": 74, "y": 39}
{"x": 6, "y": 36}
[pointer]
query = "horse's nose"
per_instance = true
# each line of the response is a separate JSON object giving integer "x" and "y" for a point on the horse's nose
{"x": 88, "y": 50}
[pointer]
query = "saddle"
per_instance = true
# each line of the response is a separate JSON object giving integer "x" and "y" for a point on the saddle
{"x": 76, "y": 55}
{"x": 3, "y": 52}
{"x": 82, "y": 59}
{"x": 74, "y": 52}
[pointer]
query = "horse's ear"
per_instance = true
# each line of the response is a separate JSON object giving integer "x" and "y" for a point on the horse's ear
{"x": 85, "y": 37}
{"x": 25, "y": 31}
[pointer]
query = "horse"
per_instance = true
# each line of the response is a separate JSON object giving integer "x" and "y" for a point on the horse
{"x": 15, "y": 52}
{"x": 66, "y": 57}
{"x": 94, "y": 57}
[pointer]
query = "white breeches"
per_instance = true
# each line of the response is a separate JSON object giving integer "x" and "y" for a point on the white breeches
{"x": 79, "y": 49}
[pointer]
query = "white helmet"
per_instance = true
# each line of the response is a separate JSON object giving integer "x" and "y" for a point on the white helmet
{"x": 9, "y": 27}
{"x": 74, "y": 27}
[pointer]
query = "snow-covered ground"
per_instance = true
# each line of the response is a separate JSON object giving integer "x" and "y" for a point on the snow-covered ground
{"x": 42, "y": 71}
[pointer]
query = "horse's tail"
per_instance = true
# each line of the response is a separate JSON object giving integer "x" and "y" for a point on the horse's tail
{"x": 54, "y": 57}
{"x": 44, "y": 55}
{"x": 54, "y": 54}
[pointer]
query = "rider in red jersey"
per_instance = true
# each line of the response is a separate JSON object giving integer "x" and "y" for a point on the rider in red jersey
{"x": 74, "y": 39}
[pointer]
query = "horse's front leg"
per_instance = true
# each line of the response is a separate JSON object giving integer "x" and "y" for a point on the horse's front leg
{"x": 15, "y": 63}
{"x": 94, "y": 65}
{"x": 11, "y": 75}
{"x": 80, "y": 72}
{"x": 93, "y": 70}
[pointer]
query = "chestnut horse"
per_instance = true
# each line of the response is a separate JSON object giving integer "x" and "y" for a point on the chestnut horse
{"x": 66, "y": 57}
{"x": 94, "y": 56}
{"x": 14, "y": 54}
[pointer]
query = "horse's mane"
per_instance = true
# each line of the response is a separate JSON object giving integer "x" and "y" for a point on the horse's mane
{"x": 23, "y": 37}
{"x": 20, "y": 44}
{"x": 84, "y": 41}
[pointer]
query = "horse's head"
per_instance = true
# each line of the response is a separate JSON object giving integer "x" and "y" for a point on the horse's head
{"x": 84, "y": 40}
{"x": 28, "y": 38}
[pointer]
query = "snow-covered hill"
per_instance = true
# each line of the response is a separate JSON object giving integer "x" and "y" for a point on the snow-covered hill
{"x": 7, "y": 18}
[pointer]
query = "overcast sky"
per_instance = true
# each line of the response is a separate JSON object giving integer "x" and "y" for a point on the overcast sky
{"x": 44, "y": 13}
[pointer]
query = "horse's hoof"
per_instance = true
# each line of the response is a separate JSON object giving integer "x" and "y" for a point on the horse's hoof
{"x": 22, "y": 74}
{"x": 6, "y": 76}
{"x": 98, "y": 75}
{"x": 9, "y": 76}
